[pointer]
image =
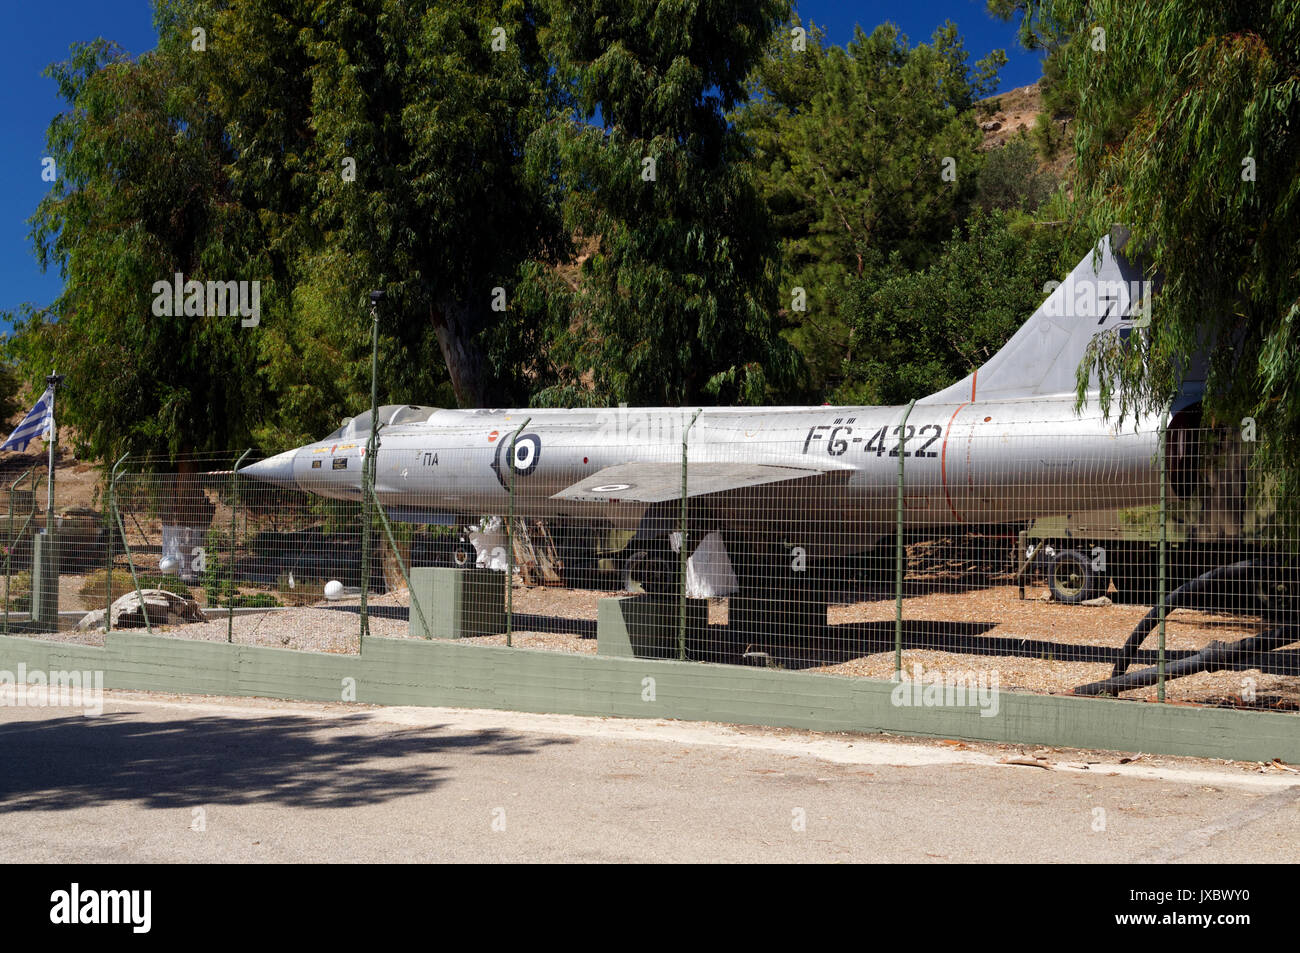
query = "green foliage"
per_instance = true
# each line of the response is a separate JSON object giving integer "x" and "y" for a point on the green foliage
{"x": 230, "y": 164}
{"x": 317, "y": 365}
{"x": 865, "y": 153}
{"x": 19, "y": 596}
{"x": 1038, "y": 29}
{"x": 142, "y": 194}
{"x": 774, "y": 168}
{"x": 1060, "y": 104}
{"x": 440, "y": 213}
{"x": 1048, "y": 136}
{"x": 92, "y": 588}
{"x": 1011, "y": 178}
{"x": 255, "y": 600}
{"x": 9, "y": 387}
{"x": 218, "y": 586}
{"x": 1187, "y": 133}
{"x": 159, "y": 581}
{"x": 916, "y": 332}
{"x": 677, "y": 300}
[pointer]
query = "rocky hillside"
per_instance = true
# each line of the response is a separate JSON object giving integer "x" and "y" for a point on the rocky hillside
{"x": 1014, "y": 113}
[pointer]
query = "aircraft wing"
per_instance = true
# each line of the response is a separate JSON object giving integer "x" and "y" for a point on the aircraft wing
{"x": 660, "y": 482}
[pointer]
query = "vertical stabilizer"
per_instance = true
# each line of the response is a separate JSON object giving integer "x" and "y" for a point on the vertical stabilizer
{"x": 1104, "y": 291}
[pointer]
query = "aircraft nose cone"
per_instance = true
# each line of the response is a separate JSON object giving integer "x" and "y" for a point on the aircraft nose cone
{"x": 277, "y": 470}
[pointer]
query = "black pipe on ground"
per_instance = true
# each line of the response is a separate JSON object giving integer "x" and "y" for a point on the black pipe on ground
{"x": 1242, "y": 654}
{"x": 1185, "y": 596}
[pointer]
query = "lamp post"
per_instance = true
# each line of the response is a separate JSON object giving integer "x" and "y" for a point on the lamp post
{"x": 368, "y": 467}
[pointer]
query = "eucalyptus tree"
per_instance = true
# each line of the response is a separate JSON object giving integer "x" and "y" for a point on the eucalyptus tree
{"x": 865, "y": 153}
{"x": 1188, "y": 132}
{"x": 676, "y": 299}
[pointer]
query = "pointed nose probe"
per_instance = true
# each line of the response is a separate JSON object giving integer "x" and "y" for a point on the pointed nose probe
{"x": 277, "y": 470}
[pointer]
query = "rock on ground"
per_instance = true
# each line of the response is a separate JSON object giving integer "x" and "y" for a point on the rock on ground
{"x": 162, "y": 607}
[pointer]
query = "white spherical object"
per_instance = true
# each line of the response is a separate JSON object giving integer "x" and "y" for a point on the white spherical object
{"x": 333, "y": 589}
{"x": 169, "y": 565}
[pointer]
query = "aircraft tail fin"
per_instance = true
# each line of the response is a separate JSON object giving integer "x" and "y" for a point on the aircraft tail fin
{"x": 1104, "y": 290}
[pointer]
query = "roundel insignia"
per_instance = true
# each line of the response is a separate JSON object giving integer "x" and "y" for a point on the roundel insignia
{"x": 527, "y": 454}
{"x": 526, "y": 451}
{"x": 611, "y": 487}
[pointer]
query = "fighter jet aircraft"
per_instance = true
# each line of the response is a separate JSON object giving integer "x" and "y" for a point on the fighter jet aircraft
{"x": 1004, "y": 444}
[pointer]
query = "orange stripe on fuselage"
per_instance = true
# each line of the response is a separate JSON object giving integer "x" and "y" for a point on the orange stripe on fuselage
{"x": 943, "y": 459}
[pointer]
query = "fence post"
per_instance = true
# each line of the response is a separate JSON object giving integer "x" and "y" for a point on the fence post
{"x": 234, "y": 512}
{"x": 9, "y": 549}
{"x": 30, "y": 521}
{"x": 367, "y": 521}
{"x": 681, "y": 549}
{"x": 109, "y": 530}
{"x": 113, "y": 522}
{"x": 1162, "y": 583}
{"x": 510, "y": 537}
{"x": 130, "y": 557}
{"x": 401, "y": 565}
{"x": 898, "y": 550}
{"x": 367, "y": 492}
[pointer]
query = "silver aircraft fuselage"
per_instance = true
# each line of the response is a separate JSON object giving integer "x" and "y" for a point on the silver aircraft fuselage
{"x": 1005, "y": 444}
{"x": 968, "y": 463}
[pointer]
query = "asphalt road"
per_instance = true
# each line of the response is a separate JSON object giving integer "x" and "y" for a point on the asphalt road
{"x": 170, "y": 779}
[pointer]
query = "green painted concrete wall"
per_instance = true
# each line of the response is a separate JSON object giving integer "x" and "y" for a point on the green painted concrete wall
{"x": 458, "y": 602}
{"x": 417, "y": 672}
{"x": 648, "y": 626}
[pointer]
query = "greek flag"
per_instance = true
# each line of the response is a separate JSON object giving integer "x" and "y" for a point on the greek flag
{"x": 37, "y": 423}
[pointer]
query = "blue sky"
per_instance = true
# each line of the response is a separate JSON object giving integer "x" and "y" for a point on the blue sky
{"x": 37, "y": 34}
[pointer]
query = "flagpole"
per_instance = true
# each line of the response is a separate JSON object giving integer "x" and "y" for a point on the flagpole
{"x": 54, "y": 380}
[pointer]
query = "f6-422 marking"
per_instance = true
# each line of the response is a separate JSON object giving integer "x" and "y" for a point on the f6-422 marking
{"x": 838, "y": 438}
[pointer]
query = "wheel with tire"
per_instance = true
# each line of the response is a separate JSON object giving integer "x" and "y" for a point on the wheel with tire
{"x": 1072, "y": 579}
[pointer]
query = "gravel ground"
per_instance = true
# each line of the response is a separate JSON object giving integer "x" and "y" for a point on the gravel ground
{"x": 1063, "y": 626}
{"x": 1022, "y": 641}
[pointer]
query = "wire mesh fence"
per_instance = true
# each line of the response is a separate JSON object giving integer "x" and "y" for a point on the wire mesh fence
{"x": 945, "y": 548}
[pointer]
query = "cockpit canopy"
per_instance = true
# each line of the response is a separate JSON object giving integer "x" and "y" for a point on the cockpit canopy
{"x": 390, "y": 415}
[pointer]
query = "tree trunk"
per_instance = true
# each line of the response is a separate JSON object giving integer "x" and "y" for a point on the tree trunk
{"x": 184, "y": 502}
{"x": 457, "y": 330}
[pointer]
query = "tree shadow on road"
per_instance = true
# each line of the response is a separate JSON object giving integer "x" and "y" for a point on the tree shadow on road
{"x": 76, "y": 761}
